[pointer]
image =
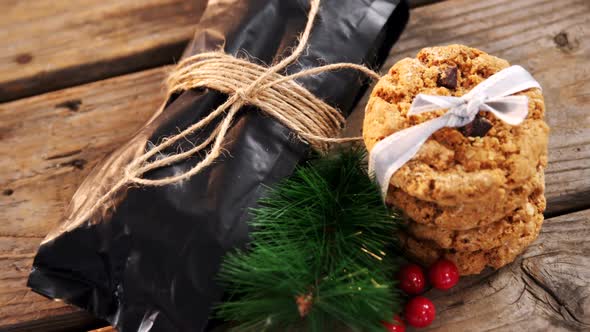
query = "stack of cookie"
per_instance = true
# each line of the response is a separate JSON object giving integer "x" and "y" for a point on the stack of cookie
{"x": 475, "y": 194}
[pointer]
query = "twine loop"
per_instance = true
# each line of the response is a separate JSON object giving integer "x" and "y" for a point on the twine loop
{"x": 246, "y": 83}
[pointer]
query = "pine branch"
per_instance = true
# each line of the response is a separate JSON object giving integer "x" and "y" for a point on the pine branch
{"x": 318, "y": 255}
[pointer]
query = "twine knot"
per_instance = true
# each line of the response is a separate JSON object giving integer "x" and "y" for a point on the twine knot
{"x": 243, "y": 94}
{"x": 245, "y": 83}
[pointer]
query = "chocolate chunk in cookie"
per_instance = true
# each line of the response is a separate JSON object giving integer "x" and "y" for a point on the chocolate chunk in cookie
{"x": 479, "y": 127}
{"x": 448, "y": 78}
{"x": 450, "y": 170}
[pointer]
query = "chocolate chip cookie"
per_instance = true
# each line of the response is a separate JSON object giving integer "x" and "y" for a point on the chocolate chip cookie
{"x": 455, "y": 166}
{"x": 464, "y": 216}
{"x": 473, "y": 262}
{"x": 518, "y": 224}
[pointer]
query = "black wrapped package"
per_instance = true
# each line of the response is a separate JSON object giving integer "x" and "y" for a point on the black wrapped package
{"x": 148, "y": 258}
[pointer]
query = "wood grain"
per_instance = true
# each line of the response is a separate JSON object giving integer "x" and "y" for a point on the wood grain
{"x": 71, "y": 322}
{"x": 47, "y": 147}
{"x": 105, "y": 329}
{"x": 49, "y": 142}
{"x": 549, "y": 38}
{"x": 546, "y": 289}
{"x": 52, "y": 44}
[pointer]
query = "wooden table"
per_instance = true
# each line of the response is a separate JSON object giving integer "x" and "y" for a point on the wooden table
{"x": 78, "y": 78}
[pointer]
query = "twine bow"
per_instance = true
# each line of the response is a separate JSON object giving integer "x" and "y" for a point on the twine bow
{"x": 245, "y": 83}
{"x": 492, "y": 95}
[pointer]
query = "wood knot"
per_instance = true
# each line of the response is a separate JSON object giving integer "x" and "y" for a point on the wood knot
{"x": 23, "y": 58}
{"x": 76, "y": 163}
{"x": 7, "y": 192}
{"x": 73, "y": 104}
{"x": 563, "y": 42}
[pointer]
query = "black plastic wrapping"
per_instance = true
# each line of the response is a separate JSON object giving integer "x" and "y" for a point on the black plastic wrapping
{"x": 148, "y": 261}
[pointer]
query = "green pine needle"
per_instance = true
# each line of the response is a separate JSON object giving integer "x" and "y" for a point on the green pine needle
{"x": 323, "y": 234}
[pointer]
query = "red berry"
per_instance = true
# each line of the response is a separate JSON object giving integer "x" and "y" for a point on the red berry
{"x": 411, "y": 279}
{"x": 419, "y": 312}
{"x": 397, "y": 326}
{"x": 443, "y": 274}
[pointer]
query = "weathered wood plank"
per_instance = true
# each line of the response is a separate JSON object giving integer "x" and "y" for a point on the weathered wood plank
{"x": 546, "y": 289}
{"x": 105, "y": 329}
{"x": 72, "y": 322}
{"x": 52, "y": 44}
{"x": 48, "y": 154}
{"x": 549, "y": 38}
{"x": 48, "y": 144}
{"x": 418, "y": 3}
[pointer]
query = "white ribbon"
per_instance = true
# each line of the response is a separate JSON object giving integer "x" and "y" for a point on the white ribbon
{"x": 492, "y": 95}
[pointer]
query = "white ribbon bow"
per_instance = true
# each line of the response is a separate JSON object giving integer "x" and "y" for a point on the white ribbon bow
{"x": 492, "y": 95}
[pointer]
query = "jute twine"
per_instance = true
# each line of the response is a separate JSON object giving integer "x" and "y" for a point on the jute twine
{"x": 245, "y": 83}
